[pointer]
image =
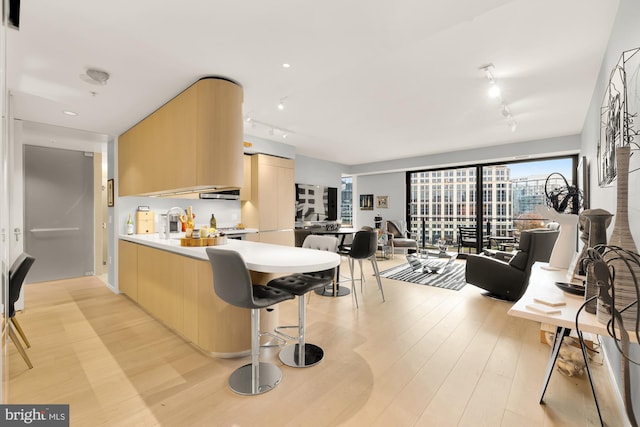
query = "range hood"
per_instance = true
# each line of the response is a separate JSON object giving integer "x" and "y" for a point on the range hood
{"x": 222, "y": 195}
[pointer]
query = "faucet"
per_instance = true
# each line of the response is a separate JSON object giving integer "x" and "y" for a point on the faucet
{"x": 167, "y": 227}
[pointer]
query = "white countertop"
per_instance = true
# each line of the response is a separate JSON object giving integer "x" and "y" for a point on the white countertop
{"x": 261, "y": 257}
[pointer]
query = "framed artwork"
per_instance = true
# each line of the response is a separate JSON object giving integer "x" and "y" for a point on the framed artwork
{"x": 617, "y": 115}
{"x": 110, "y": 193}
{"x": 382, "y": 202}
{"x": 366, "y": 202}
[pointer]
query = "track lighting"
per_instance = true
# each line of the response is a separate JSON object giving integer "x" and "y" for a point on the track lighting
{"x": 267, "y": 128}
{"x": 494, "y": 92}
{"x": 281, "y": 105}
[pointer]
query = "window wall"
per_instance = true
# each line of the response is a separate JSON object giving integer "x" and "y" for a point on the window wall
{"x": 504, "y": 198}
{"x": 346, "y": 200}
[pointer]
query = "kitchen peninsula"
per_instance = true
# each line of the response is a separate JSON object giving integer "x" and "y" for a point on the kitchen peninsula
{"x": 174, "y": 283}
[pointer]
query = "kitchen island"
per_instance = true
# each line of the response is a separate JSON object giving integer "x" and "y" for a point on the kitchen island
{"x": 174, "y": 283}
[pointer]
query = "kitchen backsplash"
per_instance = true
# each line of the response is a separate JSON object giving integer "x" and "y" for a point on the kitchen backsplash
{"x": 227, "y": 212}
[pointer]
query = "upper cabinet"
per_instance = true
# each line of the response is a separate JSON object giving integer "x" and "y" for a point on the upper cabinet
{"x": 192, "y": 143}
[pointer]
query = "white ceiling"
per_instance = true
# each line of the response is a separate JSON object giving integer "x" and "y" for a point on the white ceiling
{"x": 369, "y": 80}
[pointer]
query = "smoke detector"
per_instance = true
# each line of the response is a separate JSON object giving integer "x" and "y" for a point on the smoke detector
{"x": 95, "y": 77}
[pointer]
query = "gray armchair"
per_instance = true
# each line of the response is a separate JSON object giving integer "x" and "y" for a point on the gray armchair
{"x": 509, "y": 280}
{"x": 399, "y": 237}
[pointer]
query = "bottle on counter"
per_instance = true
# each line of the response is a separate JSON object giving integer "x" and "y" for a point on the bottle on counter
{"x": 213, "y": 222}
{"x": 129, "y": 225}
{"x": 190, "y": 222}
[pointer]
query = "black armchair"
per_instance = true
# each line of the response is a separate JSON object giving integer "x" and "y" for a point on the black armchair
{"x": 509, "y": 280}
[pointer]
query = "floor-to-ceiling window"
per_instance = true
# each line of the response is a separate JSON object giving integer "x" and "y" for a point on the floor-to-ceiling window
{"x": 346, "y": 200}
{"x": 503, "y": 198}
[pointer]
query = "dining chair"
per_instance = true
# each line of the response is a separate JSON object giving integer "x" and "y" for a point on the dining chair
{"x": 17, "y": 274}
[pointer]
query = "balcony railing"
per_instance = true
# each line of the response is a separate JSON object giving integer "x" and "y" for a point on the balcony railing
{"x": 429, "y": 229}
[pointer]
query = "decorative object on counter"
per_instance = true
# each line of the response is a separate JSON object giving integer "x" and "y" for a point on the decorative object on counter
{"x": 594, "y": 223}
{"x": 608, "y": 263}
{"x": 564, "y": 201}
{"x": 145, "y": 222}
{"x": 129, "y": 225}
{"x": 624, "y": 281}
{"x": 203, "y": 241}
{"x": 563, "y": 198}
{"x": 564, "y": 247}
{"x": 189, "y": 224}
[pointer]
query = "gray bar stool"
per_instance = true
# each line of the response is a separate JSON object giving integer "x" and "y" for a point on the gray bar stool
{"x": 303, "y": 354}
{"x": 232, "y": 283}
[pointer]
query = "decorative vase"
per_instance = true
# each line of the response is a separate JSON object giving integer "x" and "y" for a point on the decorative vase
{"x": 565, "y": 246}
{"x": 623, "y": 284}
{"x": 597, "y": 221}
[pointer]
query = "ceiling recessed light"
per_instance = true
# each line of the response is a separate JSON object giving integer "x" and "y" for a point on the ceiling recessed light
{"x": 70, "y": 113}
{"x": 286, "y": 65}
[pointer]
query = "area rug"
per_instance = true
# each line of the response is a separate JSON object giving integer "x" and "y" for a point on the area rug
{"x": 452, "y": 278}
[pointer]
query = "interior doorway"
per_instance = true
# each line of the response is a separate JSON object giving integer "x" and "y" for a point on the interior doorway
{"x": 59, "y": 212}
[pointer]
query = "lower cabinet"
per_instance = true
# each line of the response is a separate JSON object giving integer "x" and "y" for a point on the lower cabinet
{"x": 178, "y": 291}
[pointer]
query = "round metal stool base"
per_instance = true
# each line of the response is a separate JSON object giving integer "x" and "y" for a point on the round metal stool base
{"x": 312, "y": 355}
{"x": 328, "y": 291}
{"x": 269, "y": 377}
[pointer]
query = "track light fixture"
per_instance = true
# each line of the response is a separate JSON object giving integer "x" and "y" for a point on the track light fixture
{"x": 267, "y": 128}
{"x": 281, "y": 104}
{"x": 494, "y": 92}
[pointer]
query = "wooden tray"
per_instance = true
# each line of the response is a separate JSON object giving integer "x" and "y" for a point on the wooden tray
{"x": 205, "y": 241}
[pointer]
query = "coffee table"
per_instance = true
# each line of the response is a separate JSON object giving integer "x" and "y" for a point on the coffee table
{"x": 426, "y": 258}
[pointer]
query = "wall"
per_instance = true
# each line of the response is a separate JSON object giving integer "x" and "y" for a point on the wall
{"x": 625, "y": 36}
{"x": 386, "y": 184}
{"x": 318, "y": 172}
{"x": 558, "y": 146}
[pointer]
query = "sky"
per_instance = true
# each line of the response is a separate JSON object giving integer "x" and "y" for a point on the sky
{"x": 542, "y": 167}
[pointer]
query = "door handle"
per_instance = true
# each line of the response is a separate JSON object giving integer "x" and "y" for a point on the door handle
{"x": 17, "y": 233}
{"x": 44, "y": 230}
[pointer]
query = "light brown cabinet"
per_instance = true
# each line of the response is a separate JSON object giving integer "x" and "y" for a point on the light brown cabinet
{"x": 192, "y": 143}
{"x": 128, "y": 269}
{"x": 271, "y": 207}
{"x": 178, "y": 291}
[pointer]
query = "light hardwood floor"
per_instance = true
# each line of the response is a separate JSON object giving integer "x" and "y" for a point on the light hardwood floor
{"x": 426, "y": 357}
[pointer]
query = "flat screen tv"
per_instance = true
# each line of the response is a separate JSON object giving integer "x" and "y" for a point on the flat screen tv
{"x": 316, "y": 203}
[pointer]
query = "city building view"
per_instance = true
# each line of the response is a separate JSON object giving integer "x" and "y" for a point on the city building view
{"x": 442, "y": 201}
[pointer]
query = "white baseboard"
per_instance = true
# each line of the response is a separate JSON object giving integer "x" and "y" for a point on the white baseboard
{"x": 616, "y": 390}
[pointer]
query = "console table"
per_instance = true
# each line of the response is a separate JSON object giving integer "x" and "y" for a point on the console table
{"x": 542, "y": 285}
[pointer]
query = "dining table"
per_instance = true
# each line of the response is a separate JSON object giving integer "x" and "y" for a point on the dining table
{"x": 335, "y": 290}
